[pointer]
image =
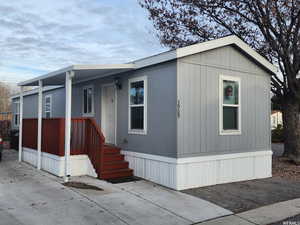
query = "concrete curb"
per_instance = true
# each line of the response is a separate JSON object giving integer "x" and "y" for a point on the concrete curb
{"x": 262, "y": 216}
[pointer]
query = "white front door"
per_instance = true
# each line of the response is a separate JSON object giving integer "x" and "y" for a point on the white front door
{"x": 108, "y": 118}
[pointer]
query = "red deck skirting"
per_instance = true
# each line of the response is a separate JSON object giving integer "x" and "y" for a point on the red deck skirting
{"x": 86, "y": 138}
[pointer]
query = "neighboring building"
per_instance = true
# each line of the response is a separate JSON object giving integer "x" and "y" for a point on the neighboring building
{"x": 191, "y": 117}
{"x": 276, "y": 119}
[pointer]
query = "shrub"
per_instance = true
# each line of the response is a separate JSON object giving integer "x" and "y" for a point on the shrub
{"x": 277, "y": 134}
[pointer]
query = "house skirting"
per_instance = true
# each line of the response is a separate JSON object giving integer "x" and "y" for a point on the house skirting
{"x": 191, "y": 172}
{"x": 79, "y": 164}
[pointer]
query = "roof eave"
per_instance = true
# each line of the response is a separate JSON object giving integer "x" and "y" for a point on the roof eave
{"x": 77, "y": 68}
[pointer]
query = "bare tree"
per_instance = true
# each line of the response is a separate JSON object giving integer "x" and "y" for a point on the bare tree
{"x": 4, "y": 97}
{"x": 272, "y": 27}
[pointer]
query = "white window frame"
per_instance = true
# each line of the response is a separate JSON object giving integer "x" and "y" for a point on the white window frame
{"x": 133, "y": 80}
{"x": 90, "y": 114}
{"x": 16, "y": 113}
{"x": 50, "y": 106}
{"x": 221, "y": 105}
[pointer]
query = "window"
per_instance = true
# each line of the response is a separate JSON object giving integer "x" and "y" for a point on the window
{"x": 16, "y": 114}
{"x": 230, "y": 107}
{"x": 48, "y": 106}
{"x": 137, "y": 106}
{"x": 88, "y": 101}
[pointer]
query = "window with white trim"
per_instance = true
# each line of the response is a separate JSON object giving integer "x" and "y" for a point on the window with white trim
{"x": 16, "y": 117}
{"x": 230, "y": 106}
{"x": 48, "y": 106}
{"x": 88, "y": 101}
{"x": 137, "y": 105}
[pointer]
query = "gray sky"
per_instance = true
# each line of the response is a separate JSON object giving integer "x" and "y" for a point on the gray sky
{"x": 38, "y": 36}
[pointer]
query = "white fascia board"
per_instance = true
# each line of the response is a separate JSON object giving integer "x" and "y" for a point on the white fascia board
{"x": 51, "y": 74}
{"x": 156, "y": 59}
{"x": 78, "y": 67}
{"x": 104, "y": 66}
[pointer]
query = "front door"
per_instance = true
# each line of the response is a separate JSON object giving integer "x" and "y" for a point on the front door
{"x": 108, "y": 118}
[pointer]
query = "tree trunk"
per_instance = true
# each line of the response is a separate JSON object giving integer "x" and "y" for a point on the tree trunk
{"x": 291, "y": 121}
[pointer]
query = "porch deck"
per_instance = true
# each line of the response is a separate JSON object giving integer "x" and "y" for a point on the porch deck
{"x": 86, "y": 139}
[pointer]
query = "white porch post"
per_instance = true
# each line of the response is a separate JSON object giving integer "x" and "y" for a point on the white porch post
{"x": 68, "y": 87}
{"x": 21, "y": 124}
{"x": 39, "y": 136}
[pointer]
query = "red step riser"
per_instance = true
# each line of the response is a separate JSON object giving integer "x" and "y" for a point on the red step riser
{"x": 111, "y": 158}
{"x": 108, "y": 151}
{"x": 113, "y": 166}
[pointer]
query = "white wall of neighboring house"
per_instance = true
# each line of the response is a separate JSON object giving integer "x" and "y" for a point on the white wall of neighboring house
{"x": 276, "y": 119}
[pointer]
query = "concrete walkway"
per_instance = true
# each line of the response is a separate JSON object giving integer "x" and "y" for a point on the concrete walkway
{"x": 262, "y": 216}
{"x": 29, "y": 197}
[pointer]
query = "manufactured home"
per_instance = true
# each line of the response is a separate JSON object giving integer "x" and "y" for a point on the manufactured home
{"x": 190, "y": 117}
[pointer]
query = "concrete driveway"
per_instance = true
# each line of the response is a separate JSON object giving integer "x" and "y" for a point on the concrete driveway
{"x": 30, "y": 197}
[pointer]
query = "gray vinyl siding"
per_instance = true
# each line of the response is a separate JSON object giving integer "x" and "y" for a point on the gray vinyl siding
{"x": 30, "y": 104}
{"x": 77, "y": 97}
{"x": 198, "y": 92}
{"x": 161, "y": 121}
{"x": 161, "y": 133}
{"x": 58, "y": 102}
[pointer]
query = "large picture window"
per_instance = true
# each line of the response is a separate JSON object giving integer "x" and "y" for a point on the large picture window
{"x": 88, "y": 101}
{"x": 138, "y": 105}
{"x": 48, "y": 106}
{"x": 230, "y": 107}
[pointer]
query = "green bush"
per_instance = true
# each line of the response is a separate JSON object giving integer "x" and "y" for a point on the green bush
{"x": 277, "y": 134}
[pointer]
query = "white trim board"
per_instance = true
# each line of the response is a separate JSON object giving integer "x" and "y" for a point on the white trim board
{"x": 76, "y": 68}
{"x": 79, "y": 164}
{"x": 144, "y": 105}
{"x": 191, "y": 172}
{"x": 92, "y": 113}
{"x": 238, "y": 131}
{"x": 50, "y": 105}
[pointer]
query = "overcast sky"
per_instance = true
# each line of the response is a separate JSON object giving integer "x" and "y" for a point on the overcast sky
{"x": 38, "y": 36}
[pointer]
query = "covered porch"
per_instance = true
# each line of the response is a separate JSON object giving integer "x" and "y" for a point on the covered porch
{"x": 69, "y": 138}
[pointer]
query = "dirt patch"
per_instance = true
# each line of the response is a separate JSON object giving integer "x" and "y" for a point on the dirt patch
{"x": 285, "y": 168}
{"x": 80, "y": 185}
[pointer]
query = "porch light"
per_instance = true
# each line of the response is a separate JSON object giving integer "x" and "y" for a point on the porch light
{"x": 118, "y": 83}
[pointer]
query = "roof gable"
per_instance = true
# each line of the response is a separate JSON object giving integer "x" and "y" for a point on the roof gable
{"x": 206, "y": 46}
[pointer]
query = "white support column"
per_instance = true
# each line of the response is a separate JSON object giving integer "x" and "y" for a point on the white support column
{"x": 21, "y": 125}
{"x": 39, "y": 136}
{"x": 68, "y": 87}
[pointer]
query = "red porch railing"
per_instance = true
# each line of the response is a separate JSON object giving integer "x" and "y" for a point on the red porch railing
{"x": 86, "y": 138}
